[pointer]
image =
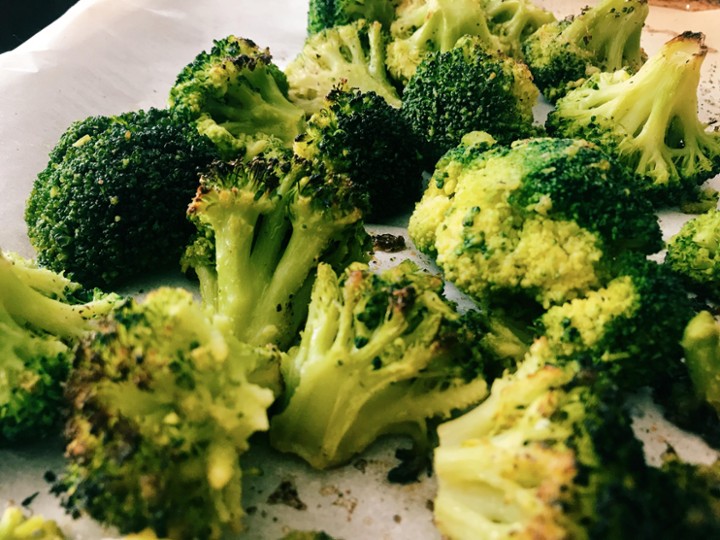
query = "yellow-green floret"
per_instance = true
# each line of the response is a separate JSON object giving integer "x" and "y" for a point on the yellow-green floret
{"x": 16, "y": 525}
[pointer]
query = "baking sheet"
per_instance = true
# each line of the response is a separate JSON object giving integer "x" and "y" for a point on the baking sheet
{"x": 107, "y": 57}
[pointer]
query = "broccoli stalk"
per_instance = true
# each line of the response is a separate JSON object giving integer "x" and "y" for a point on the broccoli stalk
{"x": 271, "y": 222}
{"x": 701, "y": 343}
{"x": 15, "y": 525}
{"x": 513, "y": 21}
{"x": 649, "y": 120}
{"x": 379, "y": 354}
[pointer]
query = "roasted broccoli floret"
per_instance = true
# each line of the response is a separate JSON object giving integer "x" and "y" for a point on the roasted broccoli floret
{"x": 467, "y": 89}
{"x": 236, "y": 94}
{"x": 379, "y": 354}
{"x": 110, "y": 205}
{"x": 602, "y": 38}
{"x": 351, "y": 55}
{"x": 263, "y": 226}
{"x": 16, "y": 525}
{"x": 520, "y": 223}
{"x": 324, "y": 14}
{"x": 513, "y": 21}
{"x": 701, "y": 344}
{"x": 550, "y": 454}
{"x": 631, "y": 328}
{"x": 42, "y": 314}
{"x": 360, "y": 135}
{"x": 694, "y": 253}
{"x": 425, "y": 26}
{"x": 161, "y": 410}
{"x": 649, "y": 120}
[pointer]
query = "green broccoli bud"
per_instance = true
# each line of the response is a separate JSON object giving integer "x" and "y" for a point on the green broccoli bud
{"x": 323, "y": 14}
{"x": 110, "y": 205}
{"x": 236, "y": 94}
{"x": 162, "y": 407}
{"x": 649, "y": 120}
{"x": 602, "y": 38}
{"x": 379, "y": 354}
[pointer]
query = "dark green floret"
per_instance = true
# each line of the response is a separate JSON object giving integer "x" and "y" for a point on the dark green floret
{"x": 603, "y": 37}
{"x": 324, "y": 14}
{"x": 110, "y": 205}
{"x": 360, "y": 135}
{"x": 236, "y": 95}
{"x": 468, "y": 89}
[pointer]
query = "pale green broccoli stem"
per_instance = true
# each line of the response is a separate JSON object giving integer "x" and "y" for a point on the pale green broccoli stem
{"x": 517, "y": 19}
{"x": 611, "y": 30}
{"x": 701, "y": 343}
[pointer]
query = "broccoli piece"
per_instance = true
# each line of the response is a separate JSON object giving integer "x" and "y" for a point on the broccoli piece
{"x": 15, "y": 525}
{"x": 549, "y": 454}
{"x": 110, "y": 205}
{"x": 533, "y": 234}
{"x": 701, "y": 344}
{"x": 42, "y": 314}
{"x": 351, "y": 55}
{"x": 323, "y": 14}
{"x": 513, "y": 21}
{"x": 631, "y": 328}
{"x": 649, "y": 120}
{"x": 161, "y": 410}
{"x": 236, "y": 94}
{"x": 307, "y": 535}
{"x": 379, "y": 354}
{"x": 694, "y": 253}
{"x": 466, "y": 89}
{"x": 360, "y": 135}
{"x": 263, "y": 226}
{"x": 602, "y": 38}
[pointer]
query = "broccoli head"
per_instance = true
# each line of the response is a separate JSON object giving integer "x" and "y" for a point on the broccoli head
{"x": 649, "y": 120}
{"x": 110, "y": 205}
{"x": 602, "y": 38}
{"x": 324, "y": 14}
{"x": 513, "y": 21}
{"x": 379, "y": 354}
{"x": 161, "y": 410}
{"x": 42, "y": 314}
{"x": 468, "y": 89}
{"x": 262, "y": 228}
{"x": 236, "y": 94}
{"x": 694, "y": 253}
{"x": 360, "y": 135}
{"x": 16, "y": 525}
{"x": 352, "y": 54}
{"x": 519, "y": 222}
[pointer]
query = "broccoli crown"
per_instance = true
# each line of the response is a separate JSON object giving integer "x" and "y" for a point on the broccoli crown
{"x": 631, "y": 328}
{"x": 701, "y": 345}
{"x": 604, "y": 37}
{"x": 694, "y": 253}
{"x": 649, "y": 120}
{"x": 547, "y": 455}
{"x": 15, "y": 525}
{"x": 534, "y": 233}
{"x": 263, "y": 226}
{"x": 235, "y": 94}
{"x": 426, "y": 26}
{"x": 324, "y": 14}
{"x": 352, "y": 54}
{"x": 379, "y": 354}
{"x": 161, "y": 410}
{"x": 468, "y": 89}
{"x": 514, "y": 21}
{"x": 110, "y": 205}
{"x": 360, "y": 135}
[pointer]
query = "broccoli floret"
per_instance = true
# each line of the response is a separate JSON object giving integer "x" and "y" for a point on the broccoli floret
{"x": 42, "y": 314}
{"x": 324, "y": 14}
{"x": 513, "y": 21}
{"x": 701, "y": 344}
{"x": 694, "y": 253}
{"x": 161, "y": 410}
{"x": 602, "y": 38}
{"x": 519, "y": 222}
{"x": 631, "y": 328}
{"x": 236, "y": 94}
{"x": 15, "y": 525}
{"x": 426, "y": 26}
{"x": 467, "y": 89}
{"x": 360, "y": 135}
{"x": 649, "y": 120}
{"x": 110, "y": 205}
{"x": 263, "y": 226}
{"x": 379, "y": 354}
{"x": 351, "y": 55}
